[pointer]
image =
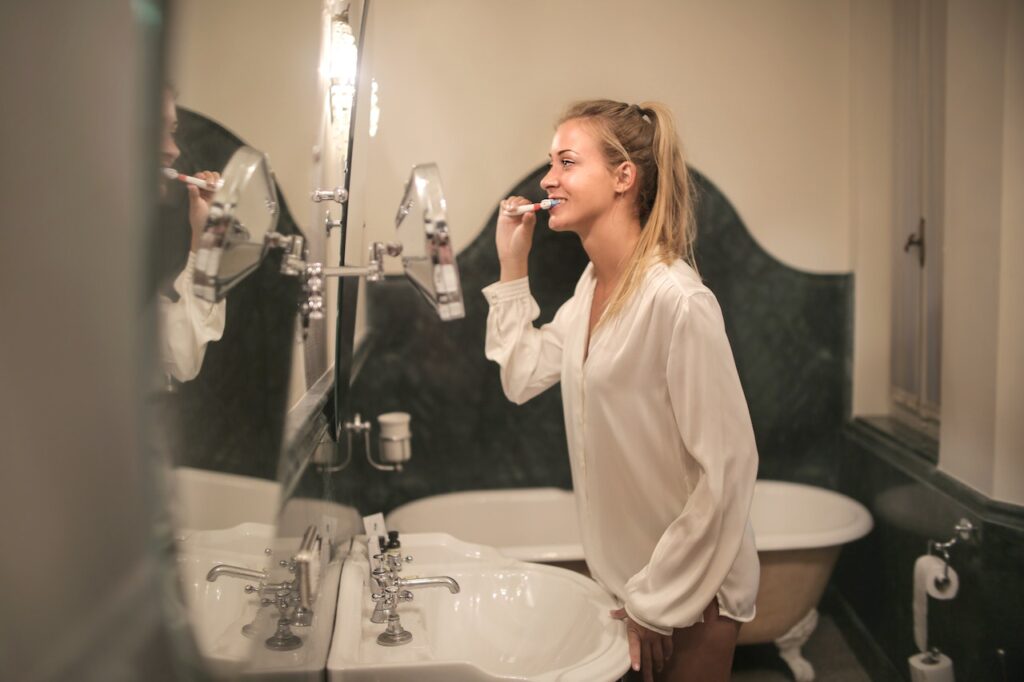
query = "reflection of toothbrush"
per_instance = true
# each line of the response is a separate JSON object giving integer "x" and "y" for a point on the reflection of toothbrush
{"x": 533, "y": 208}
{"x": 172, "y": 174}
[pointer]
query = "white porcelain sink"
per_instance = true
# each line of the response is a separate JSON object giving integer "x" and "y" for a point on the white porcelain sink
{"x": 511, "y": 621}
{"x": 219, "y": 610}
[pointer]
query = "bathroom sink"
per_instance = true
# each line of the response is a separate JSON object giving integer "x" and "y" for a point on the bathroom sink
{"x": 219, "y": 610}
{"x": 511, "y": 620}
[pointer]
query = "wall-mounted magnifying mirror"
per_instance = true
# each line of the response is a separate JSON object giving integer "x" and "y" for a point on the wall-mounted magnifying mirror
{"x": 427, "y": 253}
{"x": 243, "y": 213}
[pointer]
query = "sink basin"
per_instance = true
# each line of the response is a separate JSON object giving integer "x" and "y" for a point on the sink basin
{"x": 511, "y": 620}
{"x": 219, "y": 610}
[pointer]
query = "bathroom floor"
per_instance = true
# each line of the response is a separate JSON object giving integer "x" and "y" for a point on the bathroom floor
{"x": 827, "y": 651}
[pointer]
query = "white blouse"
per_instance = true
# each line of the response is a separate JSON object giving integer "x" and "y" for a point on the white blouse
{"x": 187, "y": 326}
{"x": 660, "y": 441}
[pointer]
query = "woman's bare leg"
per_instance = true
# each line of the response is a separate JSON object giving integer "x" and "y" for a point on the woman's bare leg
{"x": 703, "y": 652}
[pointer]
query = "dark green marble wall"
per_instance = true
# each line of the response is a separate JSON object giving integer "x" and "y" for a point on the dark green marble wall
{"x": 229, "y": 418}
{"x": 912, "y": 502}
{"x": 789, "y": 331}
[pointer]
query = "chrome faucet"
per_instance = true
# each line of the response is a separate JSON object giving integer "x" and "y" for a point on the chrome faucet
{"x": 391, "y": 590}
{"x": 440, "y": 581}
{"x": 235, "y": 572}
{"x": 293, "y": 598}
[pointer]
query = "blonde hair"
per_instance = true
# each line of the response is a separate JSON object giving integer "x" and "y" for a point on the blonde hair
{"x": 646, "y": 136}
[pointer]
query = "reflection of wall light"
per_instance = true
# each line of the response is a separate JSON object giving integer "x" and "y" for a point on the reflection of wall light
{"x": 374, "y": 108}
{"x": 340, "y": 72}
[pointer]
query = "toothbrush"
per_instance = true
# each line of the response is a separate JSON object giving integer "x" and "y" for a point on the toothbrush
{"x": 533, "y": 208}
{"x": 172, "y": 174}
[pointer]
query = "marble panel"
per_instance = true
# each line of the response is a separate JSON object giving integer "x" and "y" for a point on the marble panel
{"x": 231, "y": 416}
{"x": 790, "y": 333}
{"x": 912, "y": 502}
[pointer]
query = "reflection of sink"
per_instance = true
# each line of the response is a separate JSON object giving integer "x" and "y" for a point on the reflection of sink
{"x": 219, "y": 610}
{"x": 510, "y": 621}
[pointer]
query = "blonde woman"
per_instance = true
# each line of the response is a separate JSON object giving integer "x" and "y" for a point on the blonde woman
{"x": 662, "y": 451}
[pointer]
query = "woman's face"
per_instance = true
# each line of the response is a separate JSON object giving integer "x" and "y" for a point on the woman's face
{"x": 169, "y": 151}
{"x": 579, "y": 177}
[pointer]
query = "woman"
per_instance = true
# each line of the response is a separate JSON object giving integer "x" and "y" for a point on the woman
{"x": 187, "y": 323}
{"x": 661, "y": 446}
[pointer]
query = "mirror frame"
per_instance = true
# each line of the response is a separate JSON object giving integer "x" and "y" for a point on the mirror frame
{"x": 223, "y": 232}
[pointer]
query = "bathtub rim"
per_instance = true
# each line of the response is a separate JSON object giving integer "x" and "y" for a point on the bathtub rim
{"x": 859, "y": 524}
{"x": 549, "y": 552}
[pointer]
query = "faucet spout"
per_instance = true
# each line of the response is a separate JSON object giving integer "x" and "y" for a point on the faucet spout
{"x": 235, "y": 572}
{"x": 439, "y": 581}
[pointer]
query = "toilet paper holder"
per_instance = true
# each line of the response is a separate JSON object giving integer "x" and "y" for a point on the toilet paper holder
{"x": 964, "y": 532}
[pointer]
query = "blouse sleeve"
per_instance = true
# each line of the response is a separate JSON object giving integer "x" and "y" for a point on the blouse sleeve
{"x": 530, "y": 358}
{"x": 696, "y": 552}
{"x": 188, "y": 325}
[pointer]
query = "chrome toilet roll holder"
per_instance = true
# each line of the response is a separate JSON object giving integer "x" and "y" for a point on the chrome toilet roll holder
{"x": 965, "y": 531}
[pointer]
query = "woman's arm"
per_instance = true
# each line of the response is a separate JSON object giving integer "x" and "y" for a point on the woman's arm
{"x": 696, "y": 552}
{"x": 530, "y": 358}
{"x": 187, "y": 325}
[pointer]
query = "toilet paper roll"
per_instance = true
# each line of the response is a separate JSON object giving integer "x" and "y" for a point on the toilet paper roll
{"x": 921, "y": 670}
{"x": 928, "y": 570}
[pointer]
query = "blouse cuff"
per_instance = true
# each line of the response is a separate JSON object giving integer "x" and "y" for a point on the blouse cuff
{"x": 507, "y": 291}
{"x": 660, "y": 630}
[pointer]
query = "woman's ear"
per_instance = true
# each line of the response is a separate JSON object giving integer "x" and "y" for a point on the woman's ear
{"x": 625, "y": 176}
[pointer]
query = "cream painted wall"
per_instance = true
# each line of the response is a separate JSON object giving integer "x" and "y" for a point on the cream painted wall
{"x": 785, "y": 105}
{"x": 1008, "y": 471}
{"x": 980, "y": 433}
{"x": 871, "y": 200}
{"x": 760, "y": 91}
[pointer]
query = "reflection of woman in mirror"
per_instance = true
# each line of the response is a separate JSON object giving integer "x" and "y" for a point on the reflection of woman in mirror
{"x": 188, "y": 323}
{"x": 661, "y": 445}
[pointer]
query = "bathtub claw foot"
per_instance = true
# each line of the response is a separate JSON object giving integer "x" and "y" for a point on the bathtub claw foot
{"x": 790, "y": 644}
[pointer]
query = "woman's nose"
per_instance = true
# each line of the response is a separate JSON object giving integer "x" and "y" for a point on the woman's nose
{"x": 548, "y": 181}
{"x": 169, "y": 150}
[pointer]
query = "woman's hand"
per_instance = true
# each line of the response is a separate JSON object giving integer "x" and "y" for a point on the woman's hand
{"x": 513, "y": 237}
{"x": 199, "y": 206}
{"x": 648, "y": 650}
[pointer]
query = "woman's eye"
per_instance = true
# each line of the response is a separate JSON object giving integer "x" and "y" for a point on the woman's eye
{"x": 567, "y": 162}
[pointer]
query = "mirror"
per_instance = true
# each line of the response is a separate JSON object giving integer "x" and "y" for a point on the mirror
{"x": 242, "y": 213}
{"x": 427, "y": 253}
{"x": 228, "y": 429}
{"x": 240, "y": 231}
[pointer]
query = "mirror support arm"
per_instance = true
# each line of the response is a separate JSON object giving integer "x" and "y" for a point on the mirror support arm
{"x": 349, "y": 271}
{"x": 312, "y": 274}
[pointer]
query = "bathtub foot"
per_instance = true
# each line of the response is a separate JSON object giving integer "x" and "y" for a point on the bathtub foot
{"x": 790, "y": 644}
